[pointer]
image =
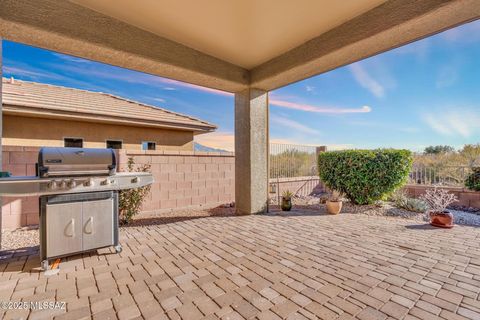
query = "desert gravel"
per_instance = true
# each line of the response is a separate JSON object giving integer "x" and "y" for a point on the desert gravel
{"x": 19, "y": 238}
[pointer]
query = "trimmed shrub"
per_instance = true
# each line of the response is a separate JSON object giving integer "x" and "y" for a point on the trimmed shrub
{"x": 365, "y": 176}
{"x": 473, "y": 180}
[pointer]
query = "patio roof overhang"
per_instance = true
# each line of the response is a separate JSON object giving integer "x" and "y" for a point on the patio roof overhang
{"x": 229, "y": 45}
{"x": 248, "y": 47}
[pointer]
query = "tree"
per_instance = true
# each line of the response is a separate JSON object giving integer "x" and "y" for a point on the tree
{"x": 471, "y": 154}
{"x": 438, "y": 149}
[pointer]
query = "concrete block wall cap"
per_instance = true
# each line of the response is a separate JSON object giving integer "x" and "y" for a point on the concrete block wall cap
{"x": 186, "y": 153}
{"x": 424, "y": 186}
{"x": 134, "y": 152}
{"x": 177, "y": 153}
{"x": 12, "y": 148}
{"x": 291, "y": 179}
{"x": 154, "y": 152}
{"x": 215, "y": 154}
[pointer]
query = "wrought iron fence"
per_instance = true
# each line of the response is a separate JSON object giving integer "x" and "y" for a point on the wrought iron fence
{"x": 289, "y": 160}
{"x": 442, "y": 175}
{"x": 293, "y": 168}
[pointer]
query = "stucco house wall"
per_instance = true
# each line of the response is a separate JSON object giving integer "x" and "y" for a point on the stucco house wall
{"x": 38, "y": 132}
{"x": 39, "y": 114}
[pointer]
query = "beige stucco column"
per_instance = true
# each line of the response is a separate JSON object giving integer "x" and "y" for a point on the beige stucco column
{"x": 251, "y": 151}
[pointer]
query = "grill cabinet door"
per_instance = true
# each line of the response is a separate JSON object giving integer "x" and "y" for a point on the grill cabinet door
{"x": 97, "y": 224}
{"x": 64, "y": 228}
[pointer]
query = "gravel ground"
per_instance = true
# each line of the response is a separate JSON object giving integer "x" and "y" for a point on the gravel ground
{"x": 312, "y": 203}
{"x": 465, "y": 218}
{"x": 28, "y": 237}
{"x": 19, "y": 238}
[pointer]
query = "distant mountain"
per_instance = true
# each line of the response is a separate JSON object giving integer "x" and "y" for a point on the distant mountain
{"x": 200, "y": 147}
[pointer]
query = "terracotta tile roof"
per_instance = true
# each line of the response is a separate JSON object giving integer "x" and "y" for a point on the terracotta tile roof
{"x": 50, "y": 101}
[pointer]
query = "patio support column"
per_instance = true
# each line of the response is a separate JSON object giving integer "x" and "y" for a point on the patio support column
{"x": 251, "y": 151}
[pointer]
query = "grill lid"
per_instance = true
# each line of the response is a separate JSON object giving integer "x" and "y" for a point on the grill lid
{"x": 56, "y": 162}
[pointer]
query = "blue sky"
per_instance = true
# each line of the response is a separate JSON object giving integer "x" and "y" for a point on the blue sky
{"x": 425, "y": 93}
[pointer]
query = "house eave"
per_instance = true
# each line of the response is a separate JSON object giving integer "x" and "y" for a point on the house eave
{"x": 87, "y": 117}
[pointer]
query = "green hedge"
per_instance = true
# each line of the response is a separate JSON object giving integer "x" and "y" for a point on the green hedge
{"x": 473, "y": 180}
{"x": 365, "y": 176}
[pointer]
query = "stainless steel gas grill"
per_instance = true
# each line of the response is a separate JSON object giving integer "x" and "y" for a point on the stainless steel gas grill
{"x": 78, "y": 191}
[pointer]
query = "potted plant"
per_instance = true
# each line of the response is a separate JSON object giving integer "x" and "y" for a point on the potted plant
{"x": 334, "y": 202}
{"x": 286, "y": 200}
{"x": 437, "y": 201}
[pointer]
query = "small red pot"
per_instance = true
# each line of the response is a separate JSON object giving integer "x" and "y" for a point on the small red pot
{"x": 441, "y": 219}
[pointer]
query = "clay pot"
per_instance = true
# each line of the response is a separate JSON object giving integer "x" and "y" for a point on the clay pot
{"x": 286, "y": 204}
{"x": 334, "y": 207}
{"x": 441, "y": 219}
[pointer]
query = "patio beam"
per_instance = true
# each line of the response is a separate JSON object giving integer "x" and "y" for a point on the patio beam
{"x": 251, "y": 151}
{"x": 391, "y": 25}
{"x": 68, "y": 28}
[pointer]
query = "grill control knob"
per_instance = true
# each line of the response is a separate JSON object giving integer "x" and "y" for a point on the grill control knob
{"x": 52, "y": 185}
{"x": 135, "y": 180}
{"x": 72, "y": 183}
{"x": 62, "y": 184}
{"x": 88, "y": 183}
{"x": 105, "y": 182}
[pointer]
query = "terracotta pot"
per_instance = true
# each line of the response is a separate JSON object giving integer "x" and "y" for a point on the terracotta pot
{"x": 441, "y": 219}
{"x": 334, "y": 207}
{"x": 286, "y": 204}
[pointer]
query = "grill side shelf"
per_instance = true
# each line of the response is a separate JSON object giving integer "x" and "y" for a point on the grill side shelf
{"x": 35, "y": 186}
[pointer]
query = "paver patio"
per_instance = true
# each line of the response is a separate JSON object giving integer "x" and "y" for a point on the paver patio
{"x": 299, "y": 266}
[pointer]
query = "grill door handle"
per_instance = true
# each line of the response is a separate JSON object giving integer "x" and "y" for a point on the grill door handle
{"x": 89, "y": 226}
{"x": 70, "y": 229}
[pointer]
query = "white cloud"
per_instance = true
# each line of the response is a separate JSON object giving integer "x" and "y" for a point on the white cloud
{"x": 420, "y": 49}
{"x": 292, "y": 124}
{"x": 159, "y": 100}
{"x": 454, "y": 122}
{"x": 409, "y": 129}
{"x": 217, "y": 140}
{"x": 70, "y": 58}
{"x": 97, "y": 69}
{"x": 383, "y": 125}
{"x": 29, "y": 72}
{"x": 364, "y": 79}
{"x": 447, "y": 76}
{"x": 467, "y": 33}
{"x": 279, "y": 102}
{"x": 226, "y": 141}
{"x": 310, "y": 89}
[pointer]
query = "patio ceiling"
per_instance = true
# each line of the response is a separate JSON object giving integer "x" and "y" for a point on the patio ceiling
{"x": 226, "y": 29}
{"x": 229, "y": 45}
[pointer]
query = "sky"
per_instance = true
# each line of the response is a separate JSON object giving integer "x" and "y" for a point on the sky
{"x": 425, "y": 93}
